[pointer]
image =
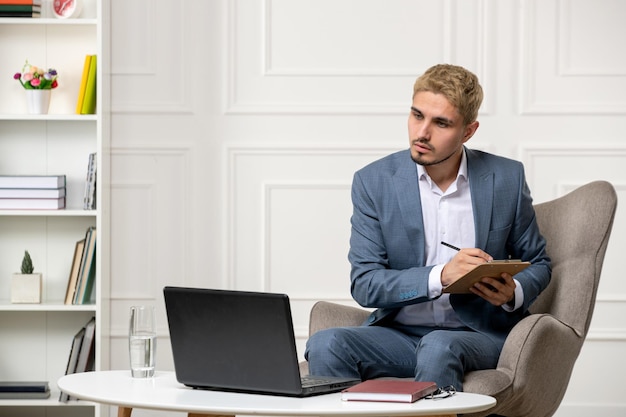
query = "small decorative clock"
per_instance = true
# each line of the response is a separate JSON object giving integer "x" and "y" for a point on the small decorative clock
{"x": 64, "y": 9}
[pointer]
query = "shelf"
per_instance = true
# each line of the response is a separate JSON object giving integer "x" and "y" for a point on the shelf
{"x": 45, "y": 21}
{"x": 48, "y": 402}
{"x": 49, "y": 117}
{"x": 38, "y": 337}
{"x": 50, "y": 213}
{"x": 5, "y": 305}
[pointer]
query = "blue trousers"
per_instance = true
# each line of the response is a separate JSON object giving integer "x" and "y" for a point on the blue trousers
{"x": 422, "y": 353}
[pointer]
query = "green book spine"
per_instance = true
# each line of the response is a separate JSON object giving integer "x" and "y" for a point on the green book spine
{"x": 89, "y": 102}
{"x": 19, "y": 8}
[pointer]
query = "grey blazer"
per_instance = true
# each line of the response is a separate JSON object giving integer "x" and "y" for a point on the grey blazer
{"x": 387, "y": 240}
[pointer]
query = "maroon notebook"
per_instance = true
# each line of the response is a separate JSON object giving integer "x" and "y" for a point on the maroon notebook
{"x": 389, "y": 390}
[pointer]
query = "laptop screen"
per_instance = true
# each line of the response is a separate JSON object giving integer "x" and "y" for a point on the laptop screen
{"x": 233, "y": 340}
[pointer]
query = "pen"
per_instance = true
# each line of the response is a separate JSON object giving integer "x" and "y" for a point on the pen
{"x": 450, "y": 246}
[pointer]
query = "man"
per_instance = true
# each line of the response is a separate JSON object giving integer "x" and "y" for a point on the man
{"x": 404, "y": 206}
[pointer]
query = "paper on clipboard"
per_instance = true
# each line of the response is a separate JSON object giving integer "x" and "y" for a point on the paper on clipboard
{"x": 492, "y": 269}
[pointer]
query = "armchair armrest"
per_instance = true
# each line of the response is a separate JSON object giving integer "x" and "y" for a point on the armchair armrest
{"x": 533, "y": 370}
{"x": 325, "y": 315}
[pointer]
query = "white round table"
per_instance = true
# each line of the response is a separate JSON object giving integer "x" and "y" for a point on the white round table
{"x": 163, "y": 392}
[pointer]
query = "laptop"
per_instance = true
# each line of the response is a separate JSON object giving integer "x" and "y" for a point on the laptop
{"x": 238, "y": 341}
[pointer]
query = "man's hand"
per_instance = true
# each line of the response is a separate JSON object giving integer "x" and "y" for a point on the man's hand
{"x": 463, "y": 262}
{"x": 498, "y": 291}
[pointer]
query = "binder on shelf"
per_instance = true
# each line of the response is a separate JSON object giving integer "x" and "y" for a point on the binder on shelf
{"x": 83, "y": 84}
{"x": 73, "y": 359}
{"x": 86, "y": 354}
{"x": 89, "y": 101}
{"x": 82, "y": 353}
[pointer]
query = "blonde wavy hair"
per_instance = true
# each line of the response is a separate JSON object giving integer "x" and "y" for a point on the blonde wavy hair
{"x": 458, "y": 85}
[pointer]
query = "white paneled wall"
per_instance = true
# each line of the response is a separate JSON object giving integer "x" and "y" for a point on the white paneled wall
{"x": 237, "y": 126}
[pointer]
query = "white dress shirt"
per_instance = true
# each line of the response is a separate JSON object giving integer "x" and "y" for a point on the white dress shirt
{"x": 448, "y": 216}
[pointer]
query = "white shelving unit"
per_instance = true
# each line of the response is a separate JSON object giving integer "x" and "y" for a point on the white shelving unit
{"x": 35, "y": 339}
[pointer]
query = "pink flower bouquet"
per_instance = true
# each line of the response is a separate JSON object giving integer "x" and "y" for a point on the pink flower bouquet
{"x": 35, "y": 78}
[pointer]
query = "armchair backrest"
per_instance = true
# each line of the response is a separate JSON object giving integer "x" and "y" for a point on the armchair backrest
{"x": 576, "y": 227}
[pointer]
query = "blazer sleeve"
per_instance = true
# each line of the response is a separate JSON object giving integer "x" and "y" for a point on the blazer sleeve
{"x": 384, "y": 272}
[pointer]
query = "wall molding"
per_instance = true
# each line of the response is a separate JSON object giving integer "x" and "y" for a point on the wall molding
{"x": 236, "y": 105}
{"x": 558, "y": 76}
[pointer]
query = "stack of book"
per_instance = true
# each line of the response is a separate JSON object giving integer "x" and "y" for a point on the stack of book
{"x": 20, "y": 8}
{"x": 25, "y": 192}
{"x": 83, "y": 270}
{"x": 18, "y": 390}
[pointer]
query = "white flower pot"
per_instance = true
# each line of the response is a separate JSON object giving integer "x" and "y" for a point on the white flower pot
{"x": 26, "y": 288}
{"x": 38, "y": 101}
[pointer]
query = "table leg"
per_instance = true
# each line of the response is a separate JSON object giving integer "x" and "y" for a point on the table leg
{"x": 124, "y": 411}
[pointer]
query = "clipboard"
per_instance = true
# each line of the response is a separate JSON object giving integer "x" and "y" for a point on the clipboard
{"x": 493, "y": 269}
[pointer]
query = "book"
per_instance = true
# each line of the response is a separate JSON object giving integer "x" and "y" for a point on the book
{"x": 87, "y": 288}
{"x": 86, "y": 354}
{"x": 22, "y": 2}
{"x": 89, "y": 101}
{"x": 20, "y": 14}
{"x": 83, "y": 84}
{"x": 20, "y": 8}
{"x": 32, "y": 203}
{"x": 493, "y": 269}
{"x": 32, "y": 181}
{"x": 85, "y": 265}
{"x": 73, "y": 278}
{"x": 24, "y": 386}
{"x": 89, "y": 199}
{"x": 81, "y": 268}
{"x": 388, "y": 390}
{"x": 73, "y": 359}
{"x": 32, "y": 192}
{"x": 24, "y": 395}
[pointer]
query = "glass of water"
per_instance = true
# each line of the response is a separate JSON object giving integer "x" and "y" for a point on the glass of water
{"x": 142, "y": 341}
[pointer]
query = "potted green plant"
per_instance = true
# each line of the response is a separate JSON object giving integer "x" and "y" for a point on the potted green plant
{"x": 26, "y": 286}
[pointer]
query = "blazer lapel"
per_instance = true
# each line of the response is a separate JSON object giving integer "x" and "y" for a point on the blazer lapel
{"x": 481, "y": 184}
{"x": 407, "y": 189}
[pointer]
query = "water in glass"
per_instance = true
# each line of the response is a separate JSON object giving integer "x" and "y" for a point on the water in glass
{"x": 142, "y": 341}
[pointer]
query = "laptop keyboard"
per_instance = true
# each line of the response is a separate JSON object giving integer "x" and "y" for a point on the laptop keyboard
{"x": 311, "y": 381}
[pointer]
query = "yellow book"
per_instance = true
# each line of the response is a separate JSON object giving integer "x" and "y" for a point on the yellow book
{"x": 83, "y": 84}
{"x": 89, "y": 102}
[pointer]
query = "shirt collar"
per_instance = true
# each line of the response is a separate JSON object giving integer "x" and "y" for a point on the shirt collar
{"x": 423, "y": 175}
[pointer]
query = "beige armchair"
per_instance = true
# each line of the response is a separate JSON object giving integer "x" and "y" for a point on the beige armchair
{"x": 539, "y": 354}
